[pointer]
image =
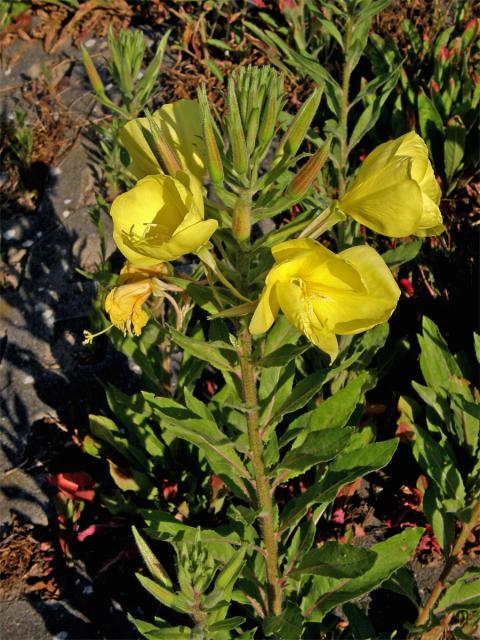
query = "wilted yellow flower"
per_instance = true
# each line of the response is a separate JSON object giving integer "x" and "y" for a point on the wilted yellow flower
{"x": 395, "y": 192}
{"x": 180, "y": 123}
{"x": 124, "y": 306}
{"x": 160, "y": 219}
{"x": 324, "y": 294}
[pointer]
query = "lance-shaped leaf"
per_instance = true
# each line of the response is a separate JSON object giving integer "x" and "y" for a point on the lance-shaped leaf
{"x": 302, "y": 393}
{"x": 210, "y": 351}
{"x": 206, "y": 435}
{"x": 349, "y": 466}
{"x": 319, "y": 446}
{"x": 336, "y": 560}
{"x": 176, "y": 601}
{"x": 390, "y": 555}
{"x": 225, "y": 580}
{"x": 463, "y": 594}
{"x": 153, "y": 564}
{"x": 332, "y": 413}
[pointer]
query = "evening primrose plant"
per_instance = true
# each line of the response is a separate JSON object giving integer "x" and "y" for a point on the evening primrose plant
{"x": 282, "y": 329}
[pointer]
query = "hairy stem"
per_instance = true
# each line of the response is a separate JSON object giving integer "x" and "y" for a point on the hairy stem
{"x": 347, "y": 72}
{"x": 450, "y": 563}
{"x": 263, "y": 489}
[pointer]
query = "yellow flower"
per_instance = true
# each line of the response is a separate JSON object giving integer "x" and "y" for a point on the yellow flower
{"x": 124, "y": 302}
{"x": 395, "y": 192}
{"x": 124, "y": 306}
{"x": 324, "y": 294}
{"x": 180, "y": 123}
{"x": 160, "y": 219}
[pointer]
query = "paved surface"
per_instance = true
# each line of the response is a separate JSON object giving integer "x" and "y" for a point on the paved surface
{"x": 45, "y": 370}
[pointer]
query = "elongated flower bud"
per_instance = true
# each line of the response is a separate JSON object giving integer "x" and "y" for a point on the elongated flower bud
{"x": 295, "y": 134}
{"x": 214, "y": 159}
{"x": 92, "y": 72}
{"x": 160, "y": 147}
{"x": 252, "y": 129}
{"x": 269, "y": 116}
{"x": 235, "y": 130}
{"x": 310, "y": 170}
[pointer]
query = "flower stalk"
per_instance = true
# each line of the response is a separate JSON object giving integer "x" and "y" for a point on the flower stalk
{"x": 262, "y": 485}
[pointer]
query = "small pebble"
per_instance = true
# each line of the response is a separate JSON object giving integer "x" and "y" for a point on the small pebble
{"x": 28, "y": 380}
{"x": 66, "y": 213}
{"x": 55, "y": 171}
{"x": 10, "y": 234}
{"x": 90, "y": 43}
{"x": 63, "y": 635}
{"x": 67, "y": 201}
{"x": 27, "y": 243}
{"x": 135, "y": 368}
{"x": 88, "y": 590}
{"x": 39, "y": 234}
{"x": 7, "y": 72}
{"x": 48, "y": 318}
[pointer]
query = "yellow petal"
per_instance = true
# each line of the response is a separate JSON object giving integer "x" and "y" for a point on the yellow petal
{"x": 300, "y": 314}
{"x": 181, "y": 125}
{"x": 266, "y": 311}
{"x": 124, "y": 306}
{"x": 389, "y": 201}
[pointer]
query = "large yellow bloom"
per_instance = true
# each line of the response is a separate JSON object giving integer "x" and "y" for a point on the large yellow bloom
{"x": 324, "y": 294}
{"x": 160, "y": 219}
{"x": 180, "y": 123}
{"x": 395, "y": 192}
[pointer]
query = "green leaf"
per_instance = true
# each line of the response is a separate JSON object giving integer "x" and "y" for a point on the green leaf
{"x": 175, "y": 601}
{"x": 368, "y": 119}
{"x": 302, "y": 393}
{"x": 153, "y": 564}
{"x": 346, "y": 468}
{"x": 210, "y": 351}
{"x": 453, "y": 147}
{"x": 163, "y": 526}
{"x": 106, "y": 430}
{"x": 336, "y": 560}
{"x": 332, "y": 413}
{"x": 225, "y": 580}
{"x": 405, "y": 252}
{"x": 161, "y": 631}
{"x": 403, "y": 582}
{"x": 206, "y": 435}
{"x": 436, "y": 361}
{"x": 436, "y": 462}
{"x": 463, "y": 594}
{"x": 226, "y": 625}
{"x": 286, "y": 626}
{"x": 358, "y": 623}
{"x": 391, "y": 554}
{"x": 431, "y": 123}
{"x": 282, "y": 356}
{"x": 319, "y": 446}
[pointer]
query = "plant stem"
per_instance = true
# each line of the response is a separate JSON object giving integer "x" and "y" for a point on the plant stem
{"x": 347, "y": 72}
{"x": 263, "y": 489}
{"x": 450, "y": 563}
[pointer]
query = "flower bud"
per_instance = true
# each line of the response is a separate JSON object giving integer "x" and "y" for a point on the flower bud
{"x": 214, "y": 159}
{"x": 269, "y": 116}
{"x": 92, "y": 72}
{"x": 252, "y": 129}
{"x": 235, "y": 131}
{"x": 295, "y": 134}
{"x": 162, "y": 151}
{"x": 310, "y": 170}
